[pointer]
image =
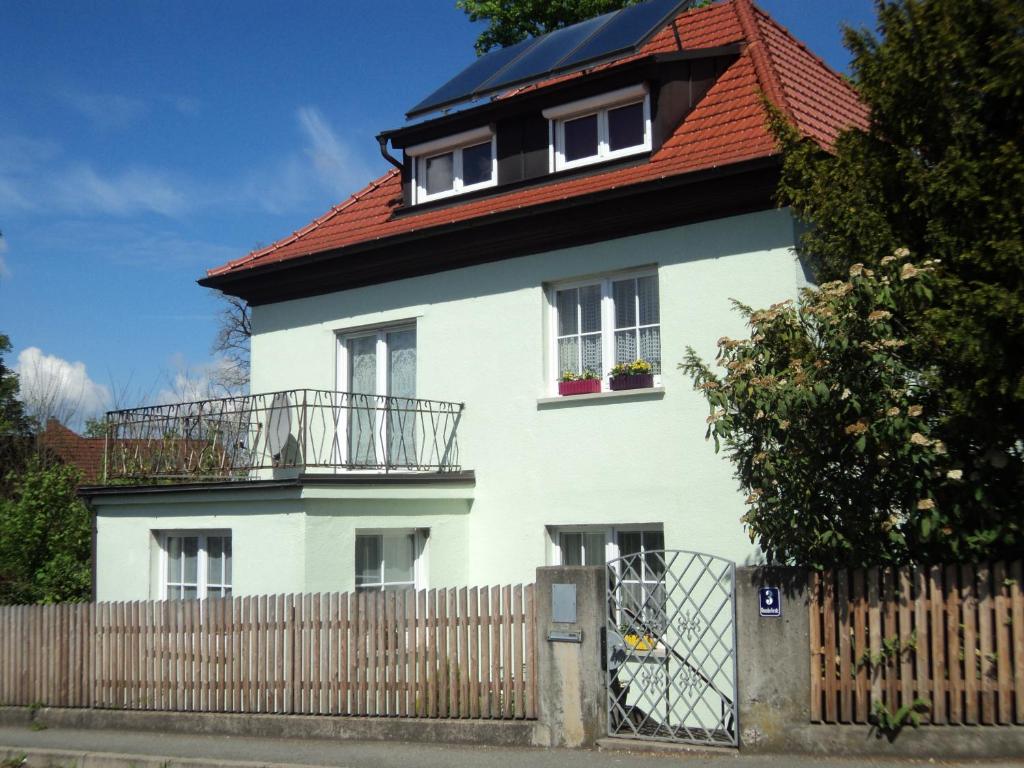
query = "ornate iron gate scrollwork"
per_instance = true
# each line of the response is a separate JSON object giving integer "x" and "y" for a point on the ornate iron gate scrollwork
{"x": 671, "y": 648}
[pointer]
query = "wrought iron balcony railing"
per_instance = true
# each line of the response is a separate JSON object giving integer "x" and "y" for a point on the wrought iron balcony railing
{"x": 250, "y": 436}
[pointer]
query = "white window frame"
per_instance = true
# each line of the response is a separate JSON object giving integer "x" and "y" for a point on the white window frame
{"x": 420, "y": 153}
{"x": 599, "y": 106}
{"x": 419, "y": 565}
{"x": 607, "y": 321}
{"x": 611, "y": 534}
{"x": 202, "y": 564}
{"x": 612, "y": 551}
{"x": 342, "y": 377}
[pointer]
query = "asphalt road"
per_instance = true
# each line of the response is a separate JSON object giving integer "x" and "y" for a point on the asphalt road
{"x": 351, "y": 754}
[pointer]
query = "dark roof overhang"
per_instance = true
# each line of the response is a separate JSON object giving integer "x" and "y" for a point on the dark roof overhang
{"x": 609, "y": 213}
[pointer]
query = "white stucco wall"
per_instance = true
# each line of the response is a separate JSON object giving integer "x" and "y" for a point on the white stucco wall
{"x": 270, "y": 533}
{"x": 482, "y": 339}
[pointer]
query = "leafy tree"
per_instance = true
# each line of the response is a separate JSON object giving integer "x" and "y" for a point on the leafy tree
{"x": 832, "y": 428}
{"x": 45, "y": 537}
{"x": 510, "y": 21}
{"x": 941, "y": 172}
{"x": 15, "y": 426}
{"x": 45, "y": 534}
{"x": 12, "y": 413}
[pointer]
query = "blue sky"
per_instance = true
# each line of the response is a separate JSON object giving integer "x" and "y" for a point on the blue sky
{"x": 143, "y": 142}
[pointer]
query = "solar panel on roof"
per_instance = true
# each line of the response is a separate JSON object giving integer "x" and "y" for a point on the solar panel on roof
{"x": 632, "y": 25}
{"x": 558, "y": 52}
{"x": 547, "y": 51}
{"x": 469, "y": 79}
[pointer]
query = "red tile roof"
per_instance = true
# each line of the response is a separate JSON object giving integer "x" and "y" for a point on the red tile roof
{"x": 85, "y": 453}
{"x": 727, "y": 126}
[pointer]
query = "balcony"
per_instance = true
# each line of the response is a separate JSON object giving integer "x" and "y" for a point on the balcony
{"x": 281, "y": 434}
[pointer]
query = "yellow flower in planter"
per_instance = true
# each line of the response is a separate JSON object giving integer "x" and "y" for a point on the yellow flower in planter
{"x": 640, "y": 643}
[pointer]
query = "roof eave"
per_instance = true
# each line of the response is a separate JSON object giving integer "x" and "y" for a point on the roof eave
{"x": 251, "y": 284}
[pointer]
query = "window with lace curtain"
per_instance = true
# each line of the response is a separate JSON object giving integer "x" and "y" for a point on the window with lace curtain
{"x": 388, "y": 560}
{"x": 600, "y": 322}
{"x": 196, "y": 565}
{"x": 377, "y": 366}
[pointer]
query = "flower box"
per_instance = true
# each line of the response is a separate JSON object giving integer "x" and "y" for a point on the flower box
{"x": 579, "y": 387}
{"x": 632, "y": 381}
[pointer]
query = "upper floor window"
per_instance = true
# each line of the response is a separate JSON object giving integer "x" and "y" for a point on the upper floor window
{"x": 600, "y": 128}
{"x": 377, "y": 367}
{"x": 603, "y": 321}
{"x": 453, "y": 165}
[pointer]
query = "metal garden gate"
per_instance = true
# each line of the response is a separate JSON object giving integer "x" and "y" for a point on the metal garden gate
{"x": 671, "y": 648}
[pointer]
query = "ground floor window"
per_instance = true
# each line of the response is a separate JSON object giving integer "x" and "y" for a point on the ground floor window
{"x": 196, "y": 565}
{"x": 388, "y": 560}
{"x": 637, "y": 555}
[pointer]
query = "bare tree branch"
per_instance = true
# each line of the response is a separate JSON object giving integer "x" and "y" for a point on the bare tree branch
{"x": 232, "y": 343}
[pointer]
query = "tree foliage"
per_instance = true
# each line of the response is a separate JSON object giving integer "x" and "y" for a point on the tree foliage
{"x": 13, "y": 420}
{"x": 940, "y": 172}
{"x": 510, "y": 22}
{"x": 45, "y": 537}
{"x": 833, "y": 429}
{"x": 45, "y": 534}
{"x": 15, "y": 426}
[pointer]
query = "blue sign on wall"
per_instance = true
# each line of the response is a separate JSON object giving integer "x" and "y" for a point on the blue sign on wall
{"x": 770, "y": 601}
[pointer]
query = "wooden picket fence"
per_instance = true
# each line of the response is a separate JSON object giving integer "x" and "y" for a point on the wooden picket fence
{"x": 951, "y": 636}
{"x": 441, "y": 653}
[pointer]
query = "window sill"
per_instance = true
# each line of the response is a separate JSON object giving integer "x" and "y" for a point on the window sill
{"x": 629, "y": 395}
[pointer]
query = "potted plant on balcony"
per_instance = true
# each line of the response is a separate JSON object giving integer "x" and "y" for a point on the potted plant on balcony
{"x": 636, "y": 375}
{"x": 571, "y": 383}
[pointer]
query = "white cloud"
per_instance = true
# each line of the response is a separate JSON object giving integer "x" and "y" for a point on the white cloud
{"x": 187, "y": 106}
{"x": 188, "y": 382}
{"x": 132, "y": 244}
{"x": 23, "y": 154}
{"x": 106, "y": 111}
{"x": 137, "y": 190}
{"x": 321, "y": 170}
{"x": 51, "y": 386}
{"x": 326, "y": 168}
{"x": 332, "y": 159}
{"x": 33, "y": 178}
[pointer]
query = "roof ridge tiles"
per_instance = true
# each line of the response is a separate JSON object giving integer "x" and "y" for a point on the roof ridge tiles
{"x": 766, "y": 18}
{"x": 764, "y": 68}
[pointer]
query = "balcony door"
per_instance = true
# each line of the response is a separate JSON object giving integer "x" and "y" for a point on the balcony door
{"x": 378, "y": 370}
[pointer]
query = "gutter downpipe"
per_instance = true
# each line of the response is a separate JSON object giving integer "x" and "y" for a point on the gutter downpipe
{"x": 382, "y": 140}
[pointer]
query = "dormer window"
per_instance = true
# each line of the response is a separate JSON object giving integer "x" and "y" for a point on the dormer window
{"x": 453, "y": 165}
{"x": 605, "y": 127}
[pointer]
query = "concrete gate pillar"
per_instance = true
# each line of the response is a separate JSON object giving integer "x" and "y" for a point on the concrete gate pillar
{"x": 772, "y": 659}
{"x": 572, "y": 709}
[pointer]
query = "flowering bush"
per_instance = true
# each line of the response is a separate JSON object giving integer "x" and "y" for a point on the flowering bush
{"x": 832, "y": 429}
{"x": 636, "y": 368}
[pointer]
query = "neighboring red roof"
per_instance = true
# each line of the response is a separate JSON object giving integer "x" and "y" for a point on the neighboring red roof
{"x": 727, "y": 126}
{"x": 85, "y": 453}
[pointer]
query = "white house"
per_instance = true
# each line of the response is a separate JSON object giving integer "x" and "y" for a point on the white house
{"x": 409, "y": 342}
